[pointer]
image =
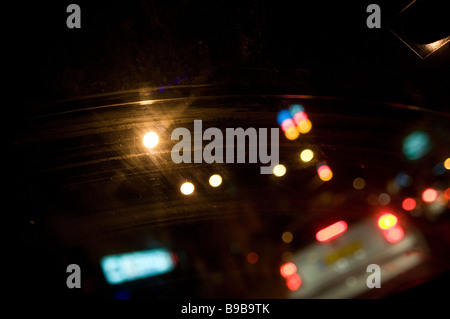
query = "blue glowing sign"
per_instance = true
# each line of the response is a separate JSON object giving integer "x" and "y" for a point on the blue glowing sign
{"x": 136, "y": 265}
{"x": 416, "y": 145}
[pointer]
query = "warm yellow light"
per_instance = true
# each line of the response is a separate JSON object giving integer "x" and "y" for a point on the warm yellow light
{"x": 187, "y": 188}
{"x": 326, "y": 177}
{"x": 306, "y": 155}
{"x": 215, "y": 180}
{"x": 447, "y": 163}
{"x": 359, "y": 183}
{"x": 387, "y": 221}
{"x": 150, "y": 139}
{"x": 146, "y": 102}
{"x": 287, "y": 237}
{"x": 279, "y": 170}
{"x": 304, "y": 126}
{"x": 292, "y": 133}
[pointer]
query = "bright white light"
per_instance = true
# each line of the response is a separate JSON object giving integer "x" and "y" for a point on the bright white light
{"x": 150, "y": 139}
{"x": 187, "y": 188}
{"x": 279, "y": 170}
{"x": 306, "y": 155}
{"x": 215, "y": 180}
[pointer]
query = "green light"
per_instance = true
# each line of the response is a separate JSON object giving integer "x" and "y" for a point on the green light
{"x": 416, "y": 145}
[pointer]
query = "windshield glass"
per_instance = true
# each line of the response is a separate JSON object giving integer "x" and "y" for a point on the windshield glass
{"x": 221, "y": 151}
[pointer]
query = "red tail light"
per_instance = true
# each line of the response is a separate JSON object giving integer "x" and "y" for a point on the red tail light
{"x": 394, "y": 234}
{"x": 288, "y": 269}
{"x": 331, "y": 231}
{"x": 293, "y": 282}
{"x": 293, "y": 279}
{"x": 429, "y": 195}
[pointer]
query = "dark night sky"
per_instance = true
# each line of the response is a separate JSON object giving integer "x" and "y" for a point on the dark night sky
{"x": 307, "y": 47}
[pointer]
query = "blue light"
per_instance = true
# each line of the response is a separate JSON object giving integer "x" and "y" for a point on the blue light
{"x": 403, "y": 179}
{"x": 136, "y": 265}
{"x": 416, "y": 145}
{"x": 122, "y": 294}
{"x": 296, "y": 108}
{"x": 283, "y": 115}
{"x": 438, "y": 169}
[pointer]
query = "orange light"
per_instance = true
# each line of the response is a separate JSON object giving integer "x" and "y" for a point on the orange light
{"x": 331, "y": 231}
{"x": 293, "y": 282}
{"x": 447, "y": 163}
{"x": 304, "y": 126}
{"x": 394, "y": 234}
{"x": 429, "y": 195}
{"x": 447, "y": 193}
{"x": 324, "y": 172}
{"x": 287, "y": 124}
{"x": 288, "y": 269}
{"x": 409, "y": 204}
{"x": 387, "y": 221}
{"x": 291, "y": 133}
{"x": 252, "y": 258}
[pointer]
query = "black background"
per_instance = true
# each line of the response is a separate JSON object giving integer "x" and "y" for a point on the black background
{"x": 319, "y": 47}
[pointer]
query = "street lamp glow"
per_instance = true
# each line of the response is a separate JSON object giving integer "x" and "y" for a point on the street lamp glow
{"x": 187, "y": 188}
{"x": 279, "y": 170}
{"x": 150, "y": 139}
{"x": 306, "y": 155}
{"x": 447, "y": 163}
{"x": 215, "y": 180}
